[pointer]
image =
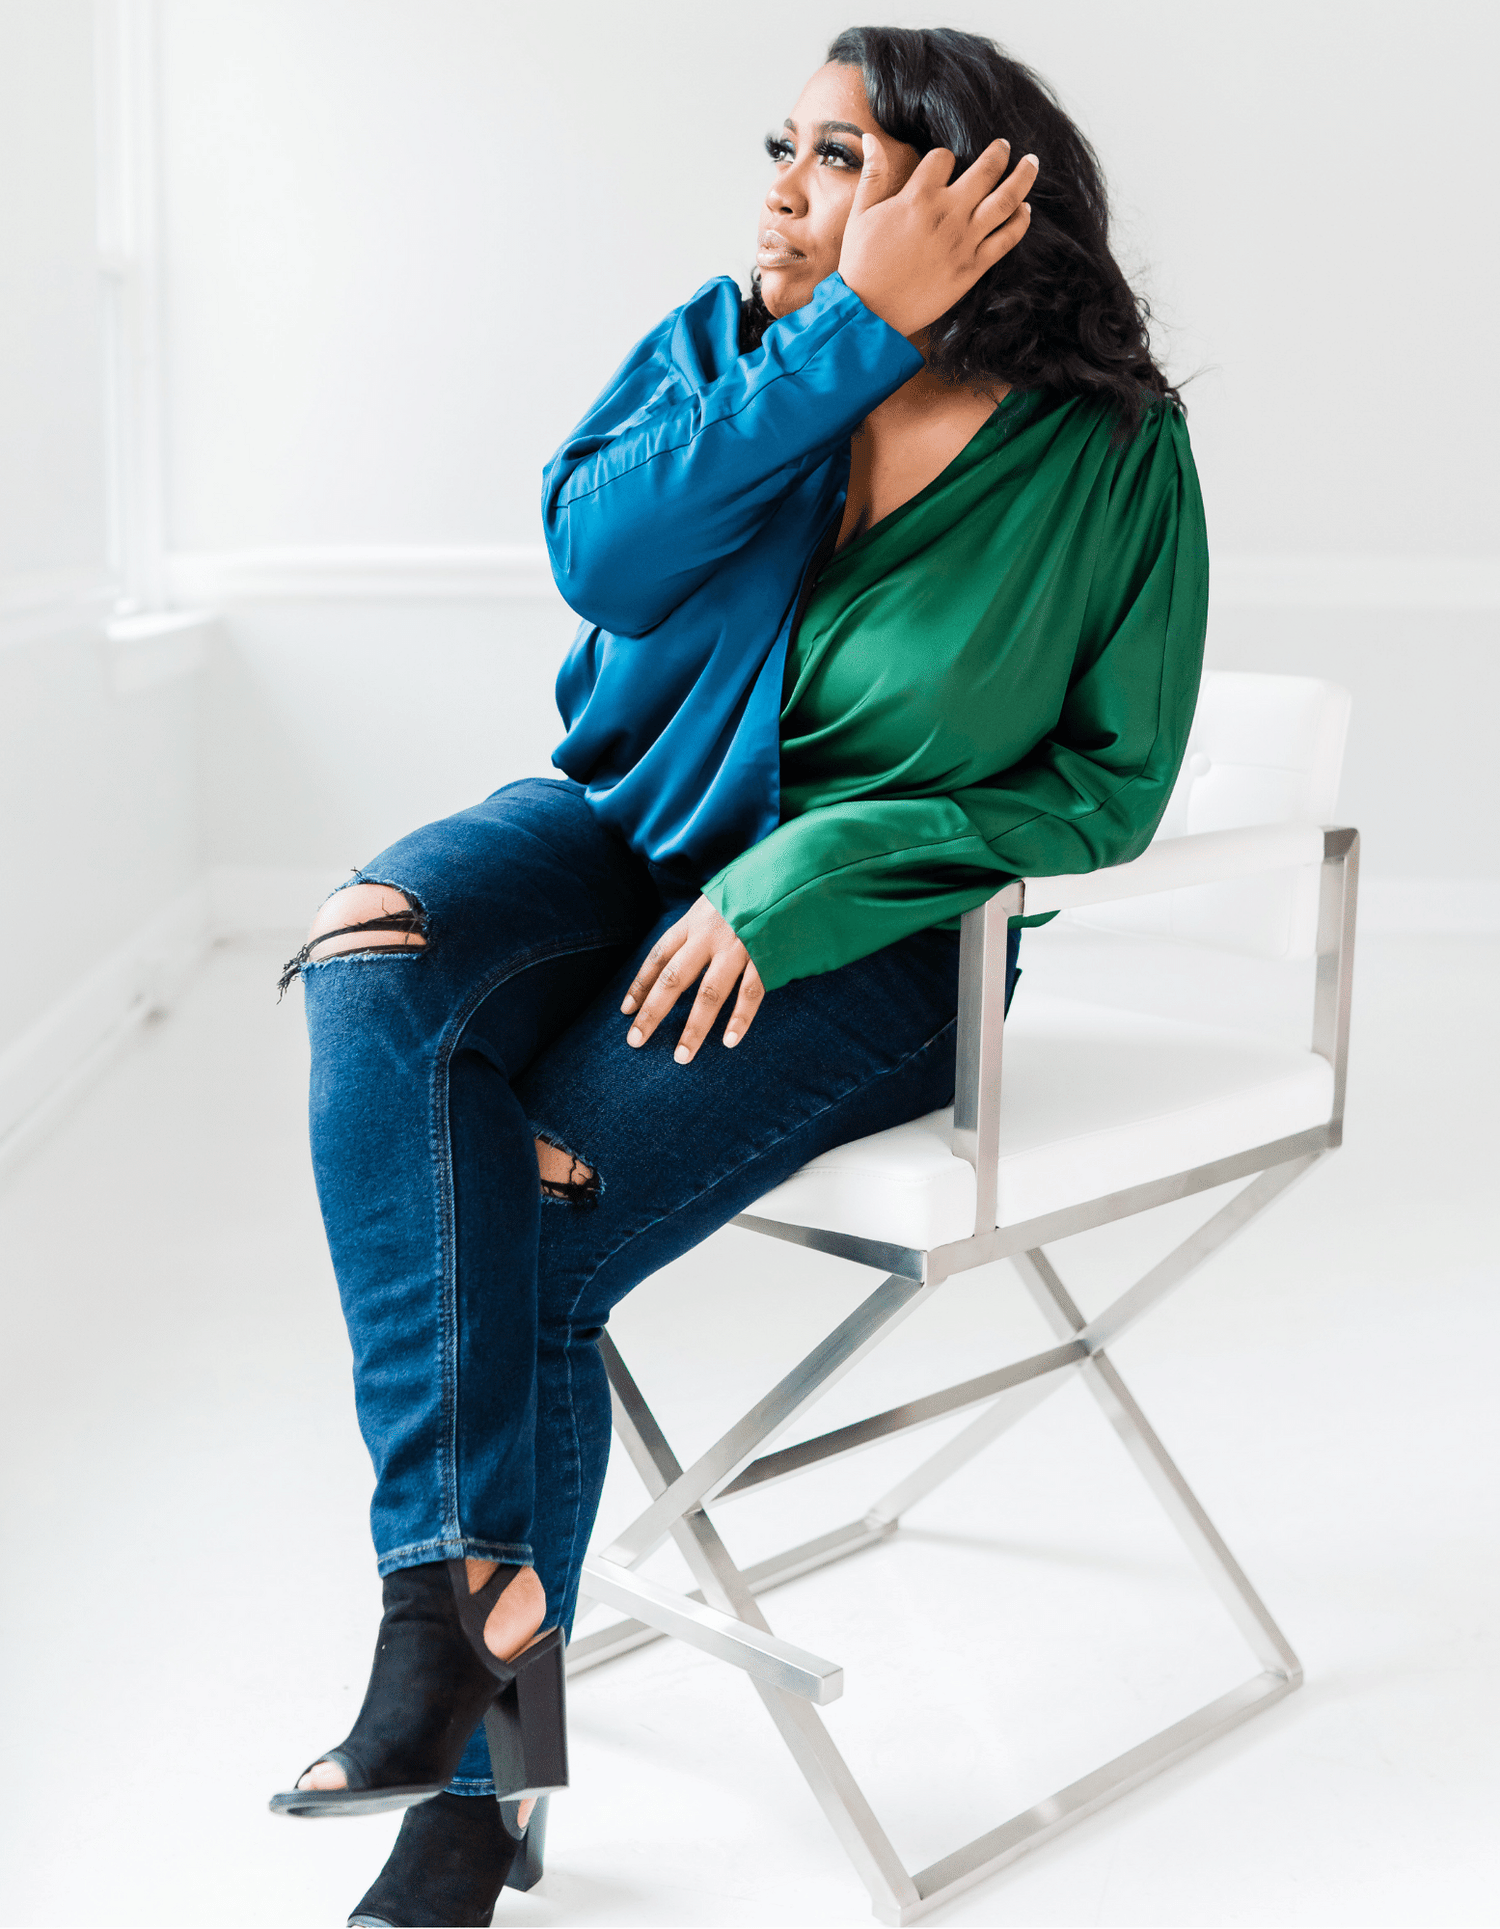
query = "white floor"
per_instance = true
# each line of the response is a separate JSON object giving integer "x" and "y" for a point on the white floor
{"x": 189, "y": 1598}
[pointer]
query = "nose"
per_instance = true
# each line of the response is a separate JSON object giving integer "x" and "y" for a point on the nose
{"x": 785, "y": 195}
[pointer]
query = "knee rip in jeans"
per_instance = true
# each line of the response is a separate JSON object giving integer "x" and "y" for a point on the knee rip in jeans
{"x": 355, "y": 912}
{"x": 564, "y": 1175}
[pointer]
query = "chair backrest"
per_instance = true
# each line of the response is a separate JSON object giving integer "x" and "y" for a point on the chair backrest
{"x": 1263, "y": 750}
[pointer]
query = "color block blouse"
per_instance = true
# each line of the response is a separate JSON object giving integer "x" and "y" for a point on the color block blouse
{"x": 994, "y": 681}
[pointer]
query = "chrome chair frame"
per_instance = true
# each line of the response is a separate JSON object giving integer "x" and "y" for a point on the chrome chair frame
{"x": 722, "y": 1616}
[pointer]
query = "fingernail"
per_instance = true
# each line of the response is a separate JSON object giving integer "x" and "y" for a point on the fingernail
{"x": 635, "y": 1036}
{"x": 731, "y": 1038}
{"x": 628, "y": 1007}
{"x": 1033, "y": 160}
{"x": 682, "y": 1054}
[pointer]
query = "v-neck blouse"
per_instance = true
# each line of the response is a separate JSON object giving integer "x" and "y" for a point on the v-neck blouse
{"x": 996, "y": 680}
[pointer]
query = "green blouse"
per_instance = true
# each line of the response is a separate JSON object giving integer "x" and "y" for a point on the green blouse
{"x": 995, "y": 681}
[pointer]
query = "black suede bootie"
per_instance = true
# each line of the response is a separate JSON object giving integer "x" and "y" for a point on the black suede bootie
{"x": 449, "y": 1863}
{"x": 432, "y": 1680}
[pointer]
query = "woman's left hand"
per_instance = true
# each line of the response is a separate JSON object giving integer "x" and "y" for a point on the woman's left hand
{"x": 698, "y": 944}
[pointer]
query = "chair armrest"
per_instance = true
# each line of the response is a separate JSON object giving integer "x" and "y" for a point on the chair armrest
{"x": 1205, "y": 858}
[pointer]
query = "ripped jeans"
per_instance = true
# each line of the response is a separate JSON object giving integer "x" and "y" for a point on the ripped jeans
{"x": 473, "y": 1302}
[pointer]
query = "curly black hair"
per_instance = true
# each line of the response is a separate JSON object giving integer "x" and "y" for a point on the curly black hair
{"x": 1057, "y": 312}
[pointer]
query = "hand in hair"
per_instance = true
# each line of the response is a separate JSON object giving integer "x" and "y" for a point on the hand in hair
{"x": 911, "y": 256}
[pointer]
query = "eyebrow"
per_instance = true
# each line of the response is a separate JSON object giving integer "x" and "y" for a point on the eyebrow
{"x": 828, "y": 127}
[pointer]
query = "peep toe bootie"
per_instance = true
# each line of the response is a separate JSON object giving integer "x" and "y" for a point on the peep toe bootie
{"x": 450, "y": 1862}
{"x": 433, "y": 1679}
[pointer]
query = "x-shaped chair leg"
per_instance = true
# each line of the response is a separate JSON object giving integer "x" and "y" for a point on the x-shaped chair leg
{"x": 722, "y": 1615}
{"x": 724, "y": 1587}
{"x": 1225, "y": 1574}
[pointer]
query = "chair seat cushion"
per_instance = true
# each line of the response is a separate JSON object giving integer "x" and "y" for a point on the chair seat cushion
{"x": 1095, "y": 1100}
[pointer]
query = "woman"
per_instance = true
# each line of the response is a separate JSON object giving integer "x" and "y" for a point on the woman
{"x": 893, "y": 582}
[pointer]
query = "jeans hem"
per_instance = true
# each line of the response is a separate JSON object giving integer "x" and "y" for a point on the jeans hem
{"x": 419, "y": 1553}
{"x": 467, "y": 1785}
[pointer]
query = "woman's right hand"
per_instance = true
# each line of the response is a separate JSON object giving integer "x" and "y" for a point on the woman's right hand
{"x": 911, "y": 256}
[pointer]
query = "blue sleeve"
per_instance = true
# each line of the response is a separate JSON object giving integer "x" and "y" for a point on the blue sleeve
{"x": 692, "y": 445}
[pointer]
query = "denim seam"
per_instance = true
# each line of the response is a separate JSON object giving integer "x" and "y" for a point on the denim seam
{"x": 418, "y": 1553}
{"x": 440, "y": 1141}
{"x": 636, "y": 1231}
{"x": 575, "y": 1465}
{"x": 385, "y": 884}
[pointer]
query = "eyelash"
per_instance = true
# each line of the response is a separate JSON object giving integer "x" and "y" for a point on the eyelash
{"x": 780, "y": 149}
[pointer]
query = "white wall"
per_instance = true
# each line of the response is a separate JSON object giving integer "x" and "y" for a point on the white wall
{"x": 409, "y": 240}
{"x": 402, "y": 243}
{"x": 405, "y": 243}
{"x": 52, "y": 512}
{"x": 99, "y": 810}
{"x": 338, "y": 725}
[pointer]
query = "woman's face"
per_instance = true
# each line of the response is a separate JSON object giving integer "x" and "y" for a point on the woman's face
{"x": 818, "y": 153}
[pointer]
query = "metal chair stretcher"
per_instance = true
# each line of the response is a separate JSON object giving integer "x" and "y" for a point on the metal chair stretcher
{"x": 723, "y": 1616}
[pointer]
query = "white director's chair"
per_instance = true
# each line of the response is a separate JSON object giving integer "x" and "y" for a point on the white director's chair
{"x": 1103, "y": 1112}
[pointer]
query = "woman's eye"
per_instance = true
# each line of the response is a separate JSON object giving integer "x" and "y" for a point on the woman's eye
{"x": 835, "y": 156}
{"x": 779, "y": 149}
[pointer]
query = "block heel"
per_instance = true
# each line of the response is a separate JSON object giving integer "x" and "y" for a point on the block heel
{"x": 526, "y": 1869}
{"x": 526, "y": 1724}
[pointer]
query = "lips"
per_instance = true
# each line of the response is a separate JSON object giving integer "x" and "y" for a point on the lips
{"x": 775, "y": 251}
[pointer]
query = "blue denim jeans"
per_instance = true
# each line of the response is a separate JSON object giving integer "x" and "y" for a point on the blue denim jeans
{"x": 473, "y": 1302}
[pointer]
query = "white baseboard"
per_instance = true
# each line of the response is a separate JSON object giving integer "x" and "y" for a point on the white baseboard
{"x": 55, "y": 1059}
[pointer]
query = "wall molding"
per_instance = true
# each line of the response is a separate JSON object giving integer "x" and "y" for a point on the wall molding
{"x": 45, "y": 1071}
{"x": 148, "y": 648}
{"x": 55, "y": 1060}
{"x": 128, "y": 199}
{"x": 1354, "y": 582}
{"x": 502, "y": 572}
{"x": 45, "y": 602}
{"x": 156, "y": 647}
{"x": 497, "y": 572}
